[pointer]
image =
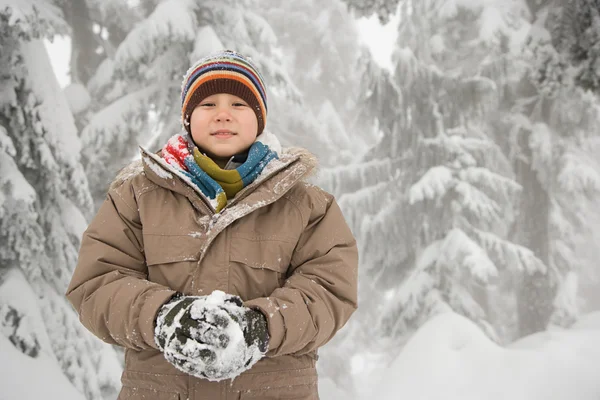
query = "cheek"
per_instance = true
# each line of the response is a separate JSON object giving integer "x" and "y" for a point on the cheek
{"x": 251, "y": 121}
{"x": 198, "y": 121}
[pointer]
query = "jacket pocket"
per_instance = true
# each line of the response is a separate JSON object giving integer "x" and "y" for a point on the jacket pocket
{"x": 171, "y": 259}
{"x": 133, "y": 393}
{"x": 278, "y": 384}
{"x": 294, "y": 392}
{"x": 258, "y": 265}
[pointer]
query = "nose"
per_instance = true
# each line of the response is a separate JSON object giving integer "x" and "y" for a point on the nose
{"x": 223, "y": 116}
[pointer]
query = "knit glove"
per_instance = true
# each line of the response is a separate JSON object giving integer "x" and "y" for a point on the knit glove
{"x": 213, "y": 337}
{"x": 252, "y": 323}
{"x": 176, "y": 334}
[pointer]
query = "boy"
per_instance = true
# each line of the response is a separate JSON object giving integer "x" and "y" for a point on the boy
{"x": 218, "y": 269}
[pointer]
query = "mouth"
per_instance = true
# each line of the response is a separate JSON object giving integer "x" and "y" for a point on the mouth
{"x": 223, "y": 132}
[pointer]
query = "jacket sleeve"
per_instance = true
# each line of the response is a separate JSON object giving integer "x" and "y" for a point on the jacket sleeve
{"x": 109, "y": 287}
{"x": 320, "y": 295}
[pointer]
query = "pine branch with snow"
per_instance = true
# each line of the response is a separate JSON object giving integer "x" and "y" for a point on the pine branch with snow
{"x": 43, "y": 209}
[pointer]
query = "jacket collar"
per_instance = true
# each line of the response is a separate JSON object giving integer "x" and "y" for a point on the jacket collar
{"x": 276, "y": 175}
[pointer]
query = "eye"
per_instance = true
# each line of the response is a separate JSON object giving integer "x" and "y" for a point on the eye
{"x": 207, "y": 105}
{"x": 239, "y": 105}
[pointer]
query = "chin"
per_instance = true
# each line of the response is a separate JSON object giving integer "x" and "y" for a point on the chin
{"x": 221, "y": 154}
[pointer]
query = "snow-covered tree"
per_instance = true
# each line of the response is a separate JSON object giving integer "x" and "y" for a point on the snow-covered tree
{"x": 436, "y": 195}
{"x": 575, "y": 31}
{"x": 552, "y": 119}
{"x": 382, "y": 8}
{"x": 318, "y": 43}
{"x": 496, "y": 63}
{"x": 44, "y": 203}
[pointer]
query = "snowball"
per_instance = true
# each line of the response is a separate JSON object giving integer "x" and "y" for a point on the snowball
{"x": 225, "y": 360}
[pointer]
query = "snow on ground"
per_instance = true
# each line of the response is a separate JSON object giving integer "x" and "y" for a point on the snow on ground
{"x": 451, "y": 358}
{"x": 22, "y": 376}
{"x": 589, "y": 321}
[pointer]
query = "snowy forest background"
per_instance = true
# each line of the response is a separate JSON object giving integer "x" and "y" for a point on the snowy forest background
{"x": 469, "y": 173}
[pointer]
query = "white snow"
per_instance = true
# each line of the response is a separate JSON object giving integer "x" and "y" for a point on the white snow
{"x": 497, "y": 18}
{"x": 12, "y": 179}
{"x": 450, "y": 358}
{"x": 207, "y": 42}
{"x": 329, "y": 391}
{"x": 231, "y": 359}
{"x": 153, "y": 162}
{"x": 436, "y": 42}
{"x": 379, "y": 39}
{"x": 459, "y": 249}
{"x": 72, "y": 219}
{"x": 269, "y": 139}
{"x": 116, "y": 118}
{"x": 103, "y": 75}
{"x": 156, "y": 169}
{"x": 15, "y": 291}
{"x": 262, "y": 31}
{"x": 589, "y": 321}
{"x": 28, "y": 13}
{"x": 491, "y": 23}
{"x": 541, "y": 144}
{"x": 477, "y": 202}
{"x": 484, "y": 177}
{"x": 78, "y": 97}
{"x": 432, "y": 185}
{"x": 171, "y": 20}
{"x": 23, "y": 377}
{"x": 567, "y": 298}
{"x": 337, "y": 136}
{"x": 53, "y": 109}
{"x": 579, "y": 172}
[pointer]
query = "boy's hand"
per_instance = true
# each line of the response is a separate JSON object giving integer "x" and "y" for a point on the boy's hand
{"x": 256, "y": 330}
{"x": 176, "y": 335}
{"x": 253, "y": 324}
{"x": 213, "y": 337}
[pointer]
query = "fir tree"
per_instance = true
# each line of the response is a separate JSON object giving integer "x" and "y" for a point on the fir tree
{"x": 436, "y": 185}
{"x": 318, "y": 44}
{"x": 44, "y": 204}
{"x": 553, "y": 121}
{"x": 575, "y": 29}
{"x": 531, "y": 109}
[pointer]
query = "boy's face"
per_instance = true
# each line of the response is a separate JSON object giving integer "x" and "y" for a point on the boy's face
{"x": 223, "y": 125}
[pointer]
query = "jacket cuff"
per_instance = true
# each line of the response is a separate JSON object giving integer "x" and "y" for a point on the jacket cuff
{"x": 275, "y": 323}
{"x": 152, "y": 303}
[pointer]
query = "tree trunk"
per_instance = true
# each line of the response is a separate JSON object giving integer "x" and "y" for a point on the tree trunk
{"x": 535, "y": 292}
{"x": 84, "y": 43}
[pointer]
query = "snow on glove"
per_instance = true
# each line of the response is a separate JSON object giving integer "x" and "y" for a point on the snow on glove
{"x": 225, "y": 322}
{"x": 211, "y": 336}
{"x": 252, "y": 323}
{"x": 176, "y": 332}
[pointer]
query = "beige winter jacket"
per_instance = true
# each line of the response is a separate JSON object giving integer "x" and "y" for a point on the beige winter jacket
{"x": 281, "y": 244}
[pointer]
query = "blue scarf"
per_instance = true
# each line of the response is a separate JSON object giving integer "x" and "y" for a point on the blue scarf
{"x": 216, "y": 183}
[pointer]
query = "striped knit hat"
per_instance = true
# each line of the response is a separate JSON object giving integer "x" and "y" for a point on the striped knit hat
{"x": 224, "y": 72}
